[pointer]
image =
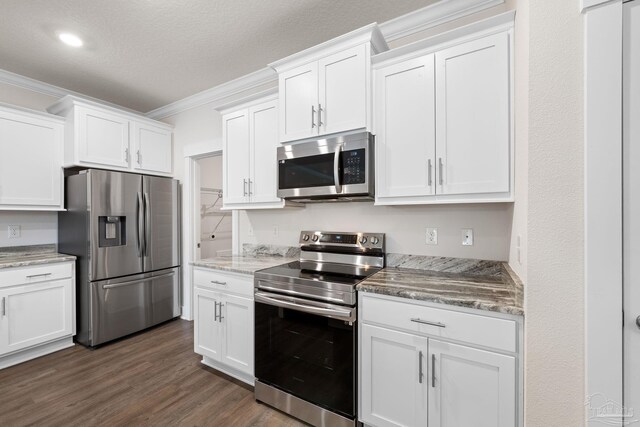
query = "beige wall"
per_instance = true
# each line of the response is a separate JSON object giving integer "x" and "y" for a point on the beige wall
{"x": 554, "y": 290}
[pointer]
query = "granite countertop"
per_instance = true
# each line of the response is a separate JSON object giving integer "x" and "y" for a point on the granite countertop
{"x": 245, "y": 264}
{"x": 24, "y": 256}
{"x": 490, "y": 286}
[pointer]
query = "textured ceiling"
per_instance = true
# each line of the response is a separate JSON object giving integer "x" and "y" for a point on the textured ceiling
{"x": 143, "y": 54}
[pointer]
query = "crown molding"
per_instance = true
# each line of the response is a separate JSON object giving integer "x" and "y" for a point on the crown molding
{"x": 220, "y": 93}
{"x": 38, "y": 86}
{"x": 433, "y": 15}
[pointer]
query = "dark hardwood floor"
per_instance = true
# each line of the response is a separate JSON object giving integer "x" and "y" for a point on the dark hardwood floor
{"x": 150, "y": 379}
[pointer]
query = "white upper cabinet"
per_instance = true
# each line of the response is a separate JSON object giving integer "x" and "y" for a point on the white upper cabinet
{"x": 444, "y": 120}
{"x": 474, "y": 116}
{"x": 99, "y": 136}
{"x": 102, "y": 138}
{"x": 152, "y": 148}
{"x": 250, "y": 142}
{"x": 235, "y": 133}
{"x": 31, "y": 150}
{"x": 405, "y": 132}
{"x": 263, "y": 125}
{"x": 327, "y": 89}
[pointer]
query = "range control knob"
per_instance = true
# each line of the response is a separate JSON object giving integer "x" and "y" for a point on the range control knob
{"x": 315, "y": 238}
{"x": 374, "y": 240}
{"x": 363, "y": 239}
{"x": 305, "y": 237}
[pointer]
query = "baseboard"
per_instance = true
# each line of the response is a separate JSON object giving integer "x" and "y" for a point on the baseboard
{"x": 34, "y": 352}
{"x": 232, "y": 372}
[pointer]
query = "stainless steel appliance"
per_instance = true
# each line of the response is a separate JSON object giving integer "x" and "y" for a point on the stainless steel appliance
{"x": 305, "y": 327}
{"x": 334, "y": 169}
{"x": 125, "y": 230}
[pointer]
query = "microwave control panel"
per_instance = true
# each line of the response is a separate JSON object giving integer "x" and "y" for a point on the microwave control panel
{"x": 354, "y": 167}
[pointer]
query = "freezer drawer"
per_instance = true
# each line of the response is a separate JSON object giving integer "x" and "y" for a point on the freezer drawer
{"x": 130, "y": 304}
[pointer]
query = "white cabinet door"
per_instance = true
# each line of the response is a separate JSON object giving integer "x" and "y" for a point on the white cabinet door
{"x": 30, "y": 161}
{"x": 473, "y": 116}
{"x": 298, "y": 90}
{"x": 102, "y": 138}
{"x": 263, "y": 123}
{"x": 405, "y": 125}
{"x": 236, "y": 156}
{"x": 471, "y": 387}
{"x": 207, "y": 331}
{"x": 35, "y": 314}
{"x": 393, "y": 393}
{"x": 342, "y": 91}
{"x": 237, "y": 333}
{"x": 152, "y": 148}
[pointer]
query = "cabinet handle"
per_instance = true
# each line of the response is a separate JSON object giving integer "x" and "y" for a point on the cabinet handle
{"x": 216, "y": 282}
{"x": 320, "y": 115}
{"x": 4, "y": 307}
{"x": 313, "y": 116}
{"x": 244, "y": 187}
{"x": 31, "y": 276}
{"x": 138, "y": 158}
{"x": 427, "y": 322}
{"x": 429, "y": 182}
{"x": 215, "y": 311}
{"x": 420, "y": 375}
{"x": 440, "y": 170}
{"x": 220, "y": 316}
{"x": 126, "y": 155}
{"x": 433, "y": 370}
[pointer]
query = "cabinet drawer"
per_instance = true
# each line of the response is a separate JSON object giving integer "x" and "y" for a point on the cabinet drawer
{"x": 469, "y": 328}
{"x": 35, "y": 274}
{"x": 222, "y": 281}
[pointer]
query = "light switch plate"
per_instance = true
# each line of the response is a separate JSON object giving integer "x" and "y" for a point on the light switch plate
{"x": 467, "y": 237}
{"x": 431, "y": 236}
{"x": 13, "y": 231}
{"x": 250, "y": 231}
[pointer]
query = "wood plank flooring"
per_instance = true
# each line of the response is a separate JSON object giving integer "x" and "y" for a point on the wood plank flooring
{"x": 150, "y": 379}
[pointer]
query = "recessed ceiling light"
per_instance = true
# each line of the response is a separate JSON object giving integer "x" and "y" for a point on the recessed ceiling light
{"x": 70, "y": 39}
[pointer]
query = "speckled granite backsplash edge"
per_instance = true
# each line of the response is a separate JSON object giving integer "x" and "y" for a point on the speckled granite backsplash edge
{"x": 14, "y": 251}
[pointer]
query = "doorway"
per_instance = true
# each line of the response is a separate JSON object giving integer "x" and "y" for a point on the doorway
{"x": 631, "y": 209}
{"x": 215, "y": 226}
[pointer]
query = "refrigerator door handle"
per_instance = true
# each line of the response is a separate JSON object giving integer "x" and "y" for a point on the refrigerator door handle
{"x": 147, "y": 222}
{"x": 140, "y": 215}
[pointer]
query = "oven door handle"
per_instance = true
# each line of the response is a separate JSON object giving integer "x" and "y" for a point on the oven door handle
{"x": 298, "y": 304}
{"x": 336, "y": 169}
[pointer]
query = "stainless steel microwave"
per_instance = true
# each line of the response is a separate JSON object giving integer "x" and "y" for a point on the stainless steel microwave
{"x": 333, "y": 169}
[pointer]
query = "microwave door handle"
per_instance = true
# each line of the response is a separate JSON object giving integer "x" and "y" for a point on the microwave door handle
{"x": 336, "y": 169}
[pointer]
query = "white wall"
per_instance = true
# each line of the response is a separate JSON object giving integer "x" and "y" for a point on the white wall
{"x": 404, "y": 225}
{"x": 554, "y": 291}
{"x": 36, "y": 228}
{"x": 215, "y": 222}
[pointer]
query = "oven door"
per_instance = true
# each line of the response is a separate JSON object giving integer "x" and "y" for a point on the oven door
{"x": 307, "y": 349}
{"x": 327, "y": 168}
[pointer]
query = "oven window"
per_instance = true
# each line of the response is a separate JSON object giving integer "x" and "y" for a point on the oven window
{"x": 309, "y": 356}
{"x": 305, "y": 172}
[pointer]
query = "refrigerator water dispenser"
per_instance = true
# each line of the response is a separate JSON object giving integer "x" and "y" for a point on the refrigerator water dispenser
{"x": 112, "y": 231}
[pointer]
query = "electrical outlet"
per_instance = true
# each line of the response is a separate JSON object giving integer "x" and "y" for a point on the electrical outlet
{"x": 276, "y": 230}
{"x": 432, "y": 236}
{"x": 467, "y": 237}
{"x": 250, "y": 231}
{"x": 13, "y": 231}
{"x": 518, "y": 252}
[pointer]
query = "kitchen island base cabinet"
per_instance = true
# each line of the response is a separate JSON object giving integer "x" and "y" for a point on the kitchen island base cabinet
{"x": 223, "y": 330}
{"x": 428, "y": 377}
{"x": 37, "y": 312}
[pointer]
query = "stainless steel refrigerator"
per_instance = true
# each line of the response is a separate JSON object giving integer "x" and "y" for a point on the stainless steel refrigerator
{"x": 125, "y": 230}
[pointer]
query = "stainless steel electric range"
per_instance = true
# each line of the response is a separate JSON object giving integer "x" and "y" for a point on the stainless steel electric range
{"x": 305, "y": 326}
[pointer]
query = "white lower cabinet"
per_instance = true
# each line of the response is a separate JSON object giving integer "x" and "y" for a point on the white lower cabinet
{"x": 223, "y": 315}
{"x": 37, "y": 311}
{"x": 417, "y": 378}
